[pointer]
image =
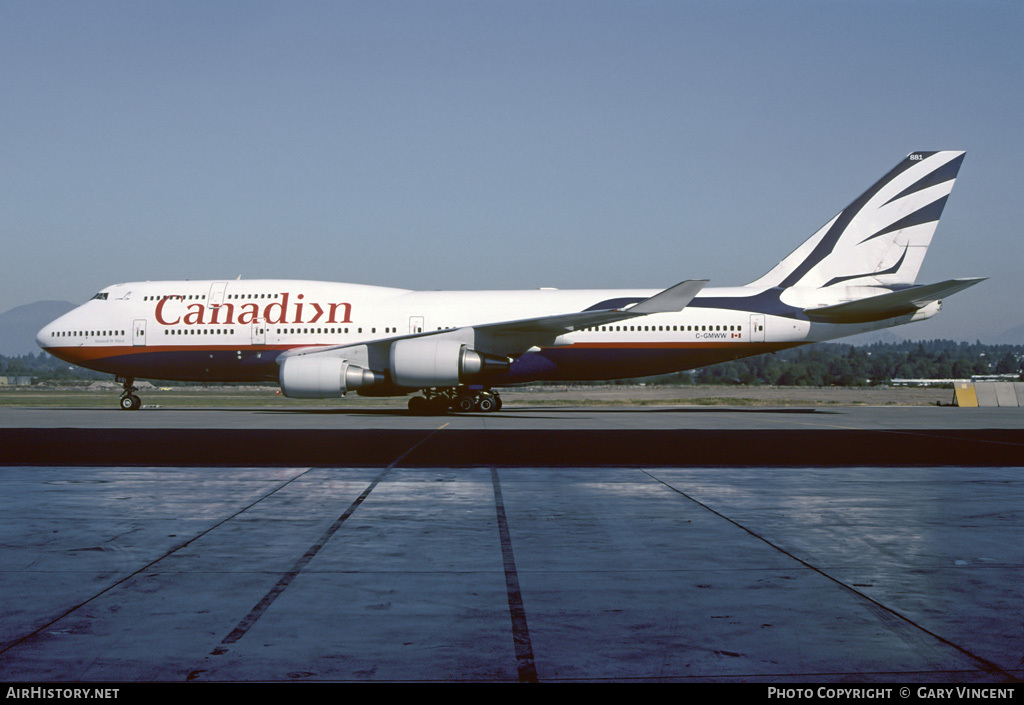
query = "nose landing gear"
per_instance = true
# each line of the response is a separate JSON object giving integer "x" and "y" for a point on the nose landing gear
{"x": 129, "y": 400}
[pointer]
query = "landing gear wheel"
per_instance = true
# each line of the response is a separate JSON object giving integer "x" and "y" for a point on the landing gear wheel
{"x": 431, "y": 404}
{"x": 129, "y": 402}
{"x": 461, "y": 399}
{"x": 419, "y": 406}
{"x": 487, "y": 403}
{"x": 465, "y": 403}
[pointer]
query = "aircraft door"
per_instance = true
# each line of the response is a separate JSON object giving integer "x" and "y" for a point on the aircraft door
{"x": 259, "y": 333}
{"x": 757, "y": 328}
{"x": 139, "y": 332}
{"x": 415, "y": 325}
{"x": 217, "y": 293}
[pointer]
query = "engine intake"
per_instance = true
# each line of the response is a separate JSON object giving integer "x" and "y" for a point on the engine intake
{"x": 321, "y": 377}
{"x": 423, "y": 362}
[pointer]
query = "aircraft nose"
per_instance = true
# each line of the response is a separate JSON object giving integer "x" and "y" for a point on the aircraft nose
{"x": 44, "y": 338}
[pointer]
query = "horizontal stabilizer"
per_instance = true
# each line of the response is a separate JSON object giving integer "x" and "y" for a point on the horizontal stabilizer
{"x": 897, "y": 303}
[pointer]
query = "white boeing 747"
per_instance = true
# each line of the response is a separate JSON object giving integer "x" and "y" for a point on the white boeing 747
{"x": 321, "y": 339}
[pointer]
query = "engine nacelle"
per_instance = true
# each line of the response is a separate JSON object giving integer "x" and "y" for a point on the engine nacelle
{"x": 425, "y": 362}
{"x": 927, "y": 311}
{"x": 321, "y": 377}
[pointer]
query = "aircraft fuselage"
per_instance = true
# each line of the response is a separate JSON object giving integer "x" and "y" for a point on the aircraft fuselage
{"x": 234, "y": 331}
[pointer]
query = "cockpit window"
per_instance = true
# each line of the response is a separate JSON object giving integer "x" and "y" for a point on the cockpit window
{"x": 102, "y": 296}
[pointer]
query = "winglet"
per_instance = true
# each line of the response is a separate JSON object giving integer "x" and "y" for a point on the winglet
{"x": 673, "y": 299}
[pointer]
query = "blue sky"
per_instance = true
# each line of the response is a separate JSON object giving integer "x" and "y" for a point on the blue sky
{"x": 485, "y": 144}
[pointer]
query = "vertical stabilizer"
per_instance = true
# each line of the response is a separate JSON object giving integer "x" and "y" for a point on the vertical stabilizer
{"x": 882, "y": 237}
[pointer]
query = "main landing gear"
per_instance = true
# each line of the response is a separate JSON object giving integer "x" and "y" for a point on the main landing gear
{"x": 129, "y": 400}
{"x": 435, "y": 402}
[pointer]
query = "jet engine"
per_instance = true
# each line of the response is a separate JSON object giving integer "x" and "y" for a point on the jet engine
{"x": 425, "y": 362}
{"x": 927, "y": 311}
{"x": 322, "y": 376}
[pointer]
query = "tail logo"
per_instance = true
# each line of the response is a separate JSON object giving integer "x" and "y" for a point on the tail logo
{"x": 893, "y": 221}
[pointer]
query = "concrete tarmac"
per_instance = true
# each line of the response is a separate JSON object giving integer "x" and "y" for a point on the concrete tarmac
{"x": 351, "y": 416}
{"x": 410, "y": 570}
{"x": 527, "y": 436}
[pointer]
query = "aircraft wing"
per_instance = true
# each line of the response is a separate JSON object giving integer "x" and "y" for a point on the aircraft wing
{"x": 544, "y": 328}
{"x": 896, "y": 303}
{"x": 670, "y": 300}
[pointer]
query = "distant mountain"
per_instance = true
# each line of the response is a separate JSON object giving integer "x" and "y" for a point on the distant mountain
{"x": 18, "y": 327}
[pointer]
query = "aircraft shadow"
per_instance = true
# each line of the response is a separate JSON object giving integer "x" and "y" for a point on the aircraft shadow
{"x": 534, "y": 412}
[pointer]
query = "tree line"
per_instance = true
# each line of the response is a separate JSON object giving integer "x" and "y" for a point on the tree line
{"x": 817, "y": 365}
{"x": 835, "y": 364}
{"x": 46, "y": 368}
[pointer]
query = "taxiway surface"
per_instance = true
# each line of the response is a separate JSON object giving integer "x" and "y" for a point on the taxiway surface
{"x": 529, "y": 436}
{"x": 405, "y": 569}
